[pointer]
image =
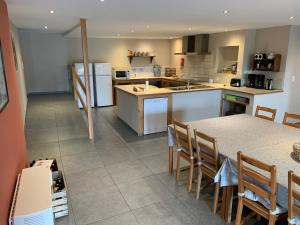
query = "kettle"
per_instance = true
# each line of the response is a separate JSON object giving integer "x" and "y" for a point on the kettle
{"x": 269, "y": 84}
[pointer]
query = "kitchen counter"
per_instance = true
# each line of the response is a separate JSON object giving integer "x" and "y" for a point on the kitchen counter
{"x": 214, "y": 86}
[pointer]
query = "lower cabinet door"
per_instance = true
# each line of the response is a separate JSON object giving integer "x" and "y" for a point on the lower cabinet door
{"x": 155, "y": 115}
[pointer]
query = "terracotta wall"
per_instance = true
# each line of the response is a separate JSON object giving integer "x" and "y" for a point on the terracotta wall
{"x": 12, "y": 140}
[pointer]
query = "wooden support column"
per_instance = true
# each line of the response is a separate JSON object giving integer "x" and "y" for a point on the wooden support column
{"x": 86, "y": 77}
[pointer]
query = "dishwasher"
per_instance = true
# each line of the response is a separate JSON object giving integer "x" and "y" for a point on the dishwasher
{"x": 155, "y": 115}
{"x": 233, "y": 104}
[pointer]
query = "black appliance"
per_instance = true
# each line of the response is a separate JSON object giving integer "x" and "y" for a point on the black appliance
{"x": 256, "y": 81}
{"x": 235, "y": 82}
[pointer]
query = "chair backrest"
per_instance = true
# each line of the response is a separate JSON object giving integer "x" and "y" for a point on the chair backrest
{"x": 183, "y": 136}
{"x": 207, "y": 151}
{"x": 294, "y": 210}
{"x": 288, "y": 116}
{"x": 265, "y": 110}
{"x": 249, "y": 178}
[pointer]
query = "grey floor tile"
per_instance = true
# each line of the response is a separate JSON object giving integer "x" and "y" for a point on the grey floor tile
{"x": 81, "y": 162}
{"x": 91, "y": 207}
{"x": 137, "y": 164}
{"x": 157, "y": 163}
{"x": 88, "y": 180}
{"x": 123, "y": 219}
{"x": 175, "y": 187}
{"x": 128, "y": 171}
{"x": 115, "y": 156}
{"x": 66, "y": 133}
{"x": 40, "y": 123}
{"x": 76, "y": 146}
{"x": 35, "y": 136}
{"x": 201, "y": 209}
{"x": 150, "y": 147}
{"x": 156, "y": 214}
{"x": 144, "y": 191}
{"x": 43, "y": 150}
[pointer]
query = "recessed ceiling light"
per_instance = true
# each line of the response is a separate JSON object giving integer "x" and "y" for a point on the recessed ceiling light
{"x": 190, "y": 28}
{"x": 51, "y": 11}
{"x": 101, "y": 0}
{"x": 292, "y": 17}
{"x": 132, "y": 31}
{"x": 118, "y": 35}
{"x": 148, "y": 26}
{"x": 225, "y": 11}
{"x": 46, "y": 27}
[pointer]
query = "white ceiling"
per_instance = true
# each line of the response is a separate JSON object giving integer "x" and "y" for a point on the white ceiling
{"x": 166, "y": 18}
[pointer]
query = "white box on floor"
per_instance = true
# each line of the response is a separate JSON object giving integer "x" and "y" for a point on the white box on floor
{"x": 32, "y": 203}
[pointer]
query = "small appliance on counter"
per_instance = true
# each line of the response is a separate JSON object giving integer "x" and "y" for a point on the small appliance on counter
{"x": 269, "y": 84}
{"x": 256, "y": 81}
{"x": 235, "y": 82}
{"x": 121, "y": 74}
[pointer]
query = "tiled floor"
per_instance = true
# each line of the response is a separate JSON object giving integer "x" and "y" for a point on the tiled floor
{"x": 121, "y": 179}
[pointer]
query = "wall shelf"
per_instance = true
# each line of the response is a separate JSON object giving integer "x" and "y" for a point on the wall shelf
{"x": 272, "y": 65}
{"x": 151, "y": 57}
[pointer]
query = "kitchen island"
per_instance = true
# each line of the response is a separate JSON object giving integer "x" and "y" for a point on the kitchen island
{"x": 150, "y": 111}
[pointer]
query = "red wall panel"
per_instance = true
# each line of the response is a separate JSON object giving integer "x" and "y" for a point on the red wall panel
{"x": 12, "y": 139}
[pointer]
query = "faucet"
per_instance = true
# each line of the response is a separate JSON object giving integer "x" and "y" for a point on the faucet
{"x": 188, "y": 84}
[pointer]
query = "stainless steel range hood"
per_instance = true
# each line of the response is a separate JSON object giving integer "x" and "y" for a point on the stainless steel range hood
{"x": 195, "y": 45}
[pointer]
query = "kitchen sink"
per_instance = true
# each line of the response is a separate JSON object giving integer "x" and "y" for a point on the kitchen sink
{"x": 199, "y": 86}
{"x": 192, "y": 87}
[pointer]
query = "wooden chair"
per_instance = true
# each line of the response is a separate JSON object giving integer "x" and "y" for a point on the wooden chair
{"x": 288, "y": 116}
{"x": 294, "y": 210}
{"x": 251, "y": 181}
{"x": 208, "y": 162}
{"x": 184, "y": 150}
{"x": 266, "y": 110}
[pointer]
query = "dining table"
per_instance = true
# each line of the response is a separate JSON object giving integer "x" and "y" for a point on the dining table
{"x": 267, "y": 141}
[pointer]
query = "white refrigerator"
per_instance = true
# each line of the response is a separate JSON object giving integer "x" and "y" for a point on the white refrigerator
{"x": 79, "y": 68}
{"x": 103, "y": 84}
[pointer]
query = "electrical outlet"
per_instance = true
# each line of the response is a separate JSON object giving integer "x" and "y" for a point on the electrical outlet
{"x": 293, "y": 79}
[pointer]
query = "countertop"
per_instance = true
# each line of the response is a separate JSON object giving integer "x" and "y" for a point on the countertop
{"x": 212, "y": 86}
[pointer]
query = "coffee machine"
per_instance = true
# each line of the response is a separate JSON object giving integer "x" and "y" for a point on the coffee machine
{"x": 256, "y": 81}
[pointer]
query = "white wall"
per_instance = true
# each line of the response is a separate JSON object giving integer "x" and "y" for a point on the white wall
{"x": 20, "y": 70}
{"x": 195, "y": 67}
{"x": 47, "y": 56}
{"x": 293, "y": 70}
{"x": 274, "y": 40}
{"x": 115, "y": 50}
{"x": 226, "y": 39}
{"x": 45, "y": 59}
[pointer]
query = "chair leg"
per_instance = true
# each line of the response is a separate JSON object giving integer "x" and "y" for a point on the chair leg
{"x": 272, "y": 220}
{"x": 190, "y": 183}
{"x": 199, "y": 182}
{"x": 239, "y": 212}
{"x": 216, "y": 197}
{"x": 178, "y": 166}
{"x": 170, "y": 160}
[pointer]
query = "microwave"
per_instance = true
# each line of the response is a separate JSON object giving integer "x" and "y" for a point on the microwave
{"x": 121, "y": 74}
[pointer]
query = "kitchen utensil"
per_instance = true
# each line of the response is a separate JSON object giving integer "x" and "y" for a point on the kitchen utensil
{"x": 235, "y": 82}
{"x": 269, "y": 84}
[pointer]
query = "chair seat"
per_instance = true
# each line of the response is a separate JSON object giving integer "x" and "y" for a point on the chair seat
{"x": 265, "y": 202}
